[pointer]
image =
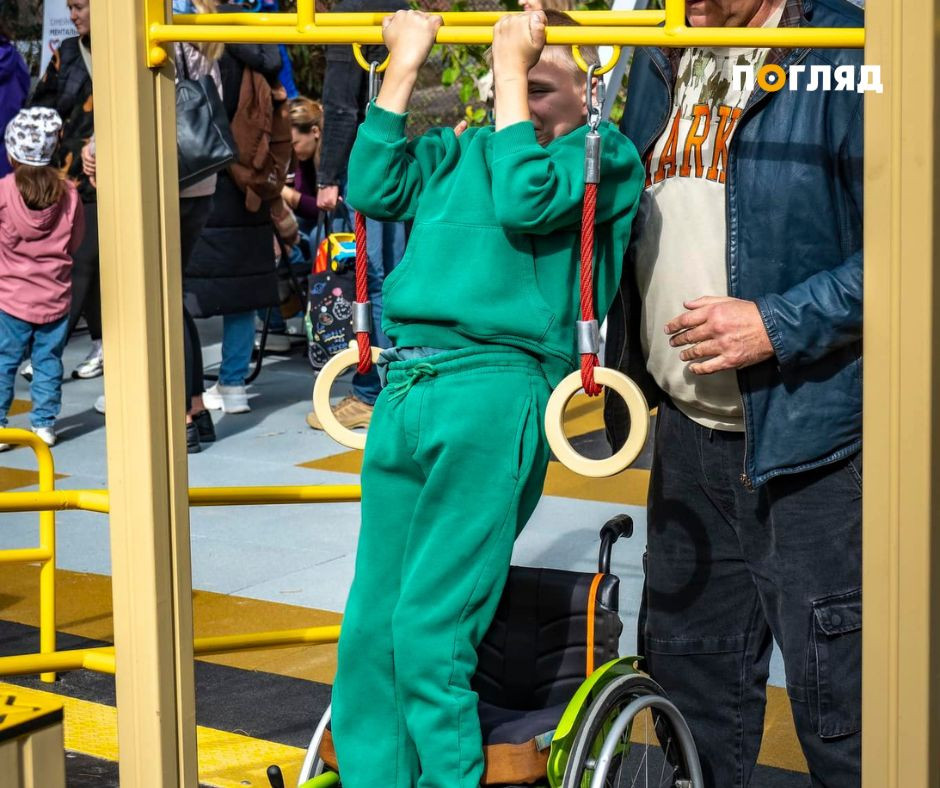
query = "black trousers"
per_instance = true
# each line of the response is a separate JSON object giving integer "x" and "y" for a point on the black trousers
{"x": 194, "y": 212}
{"x": 86, "y": 280}
{"x": 730, "y": 570}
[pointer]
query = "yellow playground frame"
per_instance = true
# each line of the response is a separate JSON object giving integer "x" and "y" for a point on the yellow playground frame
{"x": 148, "y": 498}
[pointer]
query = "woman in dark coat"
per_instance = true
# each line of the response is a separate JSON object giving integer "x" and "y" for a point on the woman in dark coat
{"x": 232, "y": 269}
{"x": 66, "y": 88}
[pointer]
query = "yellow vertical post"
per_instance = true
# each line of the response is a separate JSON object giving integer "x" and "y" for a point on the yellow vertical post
{"x": 147, "y": 471}
{"x": 47, "y": 571}
{"x": 901, "y": 578}
{"x": 306, "y": 13}
{"x": 675, "y": 15}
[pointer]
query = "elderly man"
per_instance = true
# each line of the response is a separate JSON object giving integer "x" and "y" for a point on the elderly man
{"x": 741, "y": 314}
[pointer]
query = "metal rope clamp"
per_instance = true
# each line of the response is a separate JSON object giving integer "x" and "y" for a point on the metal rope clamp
{"x": 589, "y": 343}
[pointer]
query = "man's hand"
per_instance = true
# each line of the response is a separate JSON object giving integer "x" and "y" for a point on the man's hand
{"x": 327, "y": 197}
{"x": 721, "y": 333}
{"x": 409, "y": 36}
{"x": 518, "y": 40}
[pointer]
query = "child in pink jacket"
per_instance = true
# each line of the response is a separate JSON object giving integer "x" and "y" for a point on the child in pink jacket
{"x": 41, "y": 224}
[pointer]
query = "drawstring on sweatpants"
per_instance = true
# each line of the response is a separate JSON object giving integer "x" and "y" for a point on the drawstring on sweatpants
{"x": 418, "y": 371}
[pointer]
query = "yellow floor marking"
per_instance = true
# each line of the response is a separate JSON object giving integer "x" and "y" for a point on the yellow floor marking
{"x": 20, "y": 406}
{"x": 84, "y": 609}
{"x": 14, "y": 478}
{"x": 226, "y": 760}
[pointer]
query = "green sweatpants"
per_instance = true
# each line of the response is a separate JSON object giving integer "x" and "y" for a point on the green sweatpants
{"x": 454, "y": 465}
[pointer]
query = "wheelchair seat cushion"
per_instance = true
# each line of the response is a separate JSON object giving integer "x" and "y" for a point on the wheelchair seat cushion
{"x": 511, "y": 726}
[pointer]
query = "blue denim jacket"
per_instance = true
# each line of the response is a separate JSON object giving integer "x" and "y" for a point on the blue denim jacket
{"x": 794, "y": 246}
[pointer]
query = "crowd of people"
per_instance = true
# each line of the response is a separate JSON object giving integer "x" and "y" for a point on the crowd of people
{"x": 730, "y": 257}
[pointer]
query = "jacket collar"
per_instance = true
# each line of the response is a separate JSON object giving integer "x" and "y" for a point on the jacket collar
{"x": 796, "y": 13}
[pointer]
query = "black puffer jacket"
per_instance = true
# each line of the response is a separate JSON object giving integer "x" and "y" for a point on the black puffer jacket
{"x": 66, "y": 88}
{"x": 232, "y": 267}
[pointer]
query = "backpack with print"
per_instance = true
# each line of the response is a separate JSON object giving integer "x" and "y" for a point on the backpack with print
{"x": 261, "y": 128}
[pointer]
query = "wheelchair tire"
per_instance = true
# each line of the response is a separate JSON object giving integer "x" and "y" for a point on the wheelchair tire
{"x": 313, "y": 765}
{"x": 606, "y": 724}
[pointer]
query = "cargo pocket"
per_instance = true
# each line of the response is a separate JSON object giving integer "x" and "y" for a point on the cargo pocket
{"x": 835, "y": 665}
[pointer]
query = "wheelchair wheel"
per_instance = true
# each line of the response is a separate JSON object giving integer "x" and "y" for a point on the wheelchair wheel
{"x": 601, "y": 755}
{"x": 313, "y": 765}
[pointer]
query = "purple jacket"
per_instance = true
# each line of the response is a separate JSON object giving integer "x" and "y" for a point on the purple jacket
{"x": 14, "y": 87}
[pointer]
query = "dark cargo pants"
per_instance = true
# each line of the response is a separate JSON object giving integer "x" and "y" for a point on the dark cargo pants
{"x": 728, "y": 571}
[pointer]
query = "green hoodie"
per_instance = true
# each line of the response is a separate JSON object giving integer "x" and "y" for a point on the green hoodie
{"x": 493, "y": 256}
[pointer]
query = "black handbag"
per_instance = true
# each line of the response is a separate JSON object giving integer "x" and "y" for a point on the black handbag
{"x": 204, "y": 142}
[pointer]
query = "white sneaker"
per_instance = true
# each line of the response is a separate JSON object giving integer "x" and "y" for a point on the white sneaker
{"x": 230, "y": 399}
{"x": 46, "y": 435}
{"x": 5, "y": 446}
{"x": 27, "y": 371}
{"x": 93, "y": 365}
{"x": 99, "y": 404}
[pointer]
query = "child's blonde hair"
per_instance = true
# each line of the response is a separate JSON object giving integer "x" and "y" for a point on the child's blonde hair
{"x": 40, "y": 186}
{"x": 562, "y": 54}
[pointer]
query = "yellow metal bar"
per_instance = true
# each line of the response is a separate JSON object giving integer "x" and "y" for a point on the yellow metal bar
{"x": 306, "y": 13}
{"x": 220, "y": 644}
{"x": 98, "y": 500}
{"x": 26, "y": 555}
{"x": 241, "y": 496}
{"x": 55, "y": 500}
{"x": 851, "y": 38}
{"x": 675, "y": 17}
{"x": 452, "y": 18}
{"x": 25, "y": 664}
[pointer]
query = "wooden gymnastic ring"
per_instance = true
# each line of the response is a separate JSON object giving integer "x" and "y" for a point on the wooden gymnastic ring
{"x": 321, "y": 396}
{"x": 639, "y": 424}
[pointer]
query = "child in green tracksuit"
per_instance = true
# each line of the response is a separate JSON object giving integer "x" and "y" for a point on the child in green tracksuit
{"x": 482, "y": 311}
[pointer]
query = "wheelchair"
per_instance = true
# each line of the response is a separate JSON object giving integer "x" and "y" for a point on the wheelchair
{"x": 557, "y": 705}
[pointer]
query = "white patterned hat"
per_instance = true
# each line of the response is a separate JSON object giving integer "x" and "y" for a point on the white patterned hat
{"x": 33, "y": 135}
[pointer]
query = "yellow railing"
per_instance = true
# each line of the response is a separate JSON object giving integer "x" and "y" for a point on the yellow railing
{"x": 626, "y": 28}
{"x": 47, "y": 500}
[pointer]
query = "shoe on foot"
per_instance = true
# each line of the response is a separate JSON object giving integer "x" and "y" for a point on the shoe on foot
{"x": 46, "y": 435}
{"x": 27, "y": 371}
{"x": 350, "y": 412}
{"x": 99, "y": 404}
{"x": 5, "y": 446}
{"x": 204, "y": 426}
{"x": 193, "y": 446}
{"x": 93, "y": 365}
{"x": 229, "y": 399}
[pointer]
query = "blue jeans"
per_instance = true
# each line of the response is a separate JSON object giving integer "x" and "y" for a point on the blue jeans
{"x": 238, "y": 339}
{"x": 728, "y": 571}
{"x": 385, "y": 243}
{"x": 48, "y": 341}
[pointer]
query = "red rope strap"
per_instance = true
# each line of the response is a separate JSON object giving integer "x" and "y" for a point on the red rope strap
{"x": 362, "y": 292}
{"x": 588, "y": 360}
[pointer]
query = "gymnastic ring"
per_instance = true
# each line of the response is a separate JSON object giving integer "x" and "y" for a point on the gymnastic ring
{"x": 360, "y": 59}
{"x": 321, "y": 396}
{"x": 639, "y": 424}
{"x": 583, "y": 65}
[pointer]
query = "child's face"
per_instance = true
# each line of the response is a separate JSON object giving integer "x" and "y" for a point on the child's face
{"x": 556, "y": 99}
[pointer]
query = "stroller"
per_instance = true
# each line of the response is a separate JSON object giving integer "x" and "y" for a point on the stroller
{"x": 557, "y": 704}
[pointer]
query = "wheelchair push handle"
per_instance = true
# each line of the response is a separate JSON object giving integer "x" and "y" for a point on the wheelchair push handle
{"x": 613, "y": 529}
